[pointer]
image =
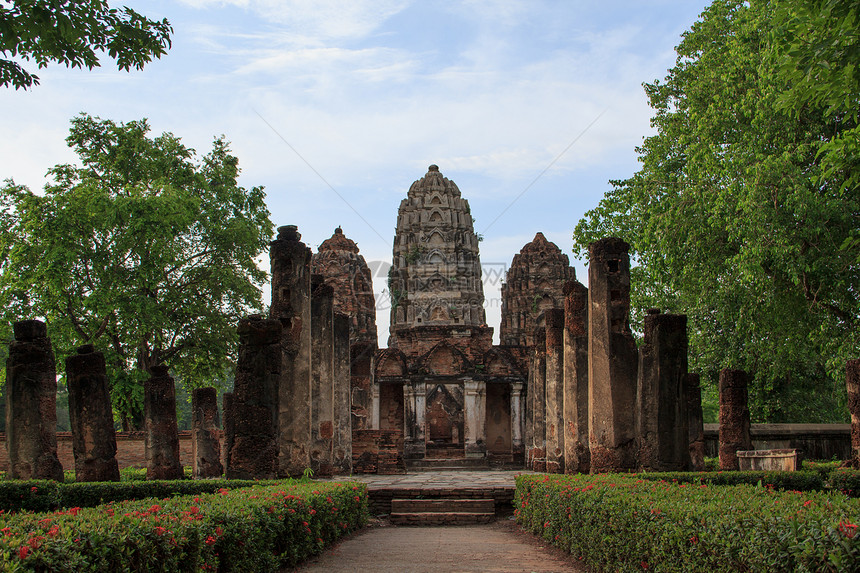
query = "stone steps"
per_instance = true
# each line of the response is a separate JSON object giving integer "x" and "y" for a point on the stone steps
{"x": 446, "y": 464}
{"x": 441, "y": 511}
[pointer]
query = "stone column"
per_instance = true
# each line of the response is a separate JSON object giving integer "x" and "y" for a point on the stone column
{"x": 342, "y": 440}
{"x": 852, "y": 383}
{"x": 291, "y": 305}
{"x": 661, "y": 410}
{"x": 537, "y": 376}
{"x": 162, "y": 433}
{"x": 91, "y": 417}
{"x": 205, "y": 439}
{"x": 229, "y": 430}
{"x": 612, "y": 359}
{"x": 734, "y": 418}
{"x": 361, "y": 354}
{"x": 554, "y": 390}
{"x": 517, "y": 419}
{"x": 695, "y": 422}
{"x": 528, "y": 415}
{"x": 254, "y": 407}
{"x": 322, "y": 378}
{"x": 475, "y": 414}
{"x": 375, "y": 405}
{"x": 31, "y": 404}
{"x": 413, "y": 445}
{"x": 577, "y": 456}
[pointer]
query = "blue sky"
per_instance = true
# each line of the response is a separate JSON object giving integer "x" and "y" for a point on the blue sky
{"x": 336, "y": 107}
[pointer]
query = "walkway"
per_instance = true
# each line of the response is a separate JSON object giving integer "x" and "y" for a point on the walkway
{"x": 496, "y": 547}
{"x": 441, "y": 479}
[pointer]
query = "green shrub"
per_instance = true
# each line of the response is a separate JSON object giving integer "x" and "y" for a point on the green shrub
{"x": 798, "y": 481}
{"x": 40, "y": 495}
{"x": 625, "y": 523}
{"x": 845, "y": 480}
{"x": 260, "y": 528}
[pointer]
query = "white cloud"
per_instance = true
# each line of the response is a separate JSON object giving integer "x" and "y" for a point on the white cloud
{"x": 322, "y": 19}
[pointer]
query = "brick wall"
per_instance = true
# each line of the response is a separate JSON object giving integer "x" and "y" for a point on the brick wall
{"x": 129, "y": 450}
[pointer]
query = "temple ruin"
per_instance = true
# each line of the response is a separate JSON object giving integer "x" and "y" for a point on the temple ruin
{"x": 567, "y": 390}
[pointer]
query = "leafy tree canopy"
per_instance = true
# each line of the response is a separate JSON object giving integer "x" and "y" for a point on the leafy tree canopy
{"x": 141, "y": 250}
{"x": 735, "y": 219}
{"x": 71, "y": 32}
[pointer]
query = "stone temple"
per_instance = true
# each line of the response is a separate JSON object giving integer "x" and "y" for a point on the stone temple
{"x": 566, "y": 390}
{"x": 454, "y": 393}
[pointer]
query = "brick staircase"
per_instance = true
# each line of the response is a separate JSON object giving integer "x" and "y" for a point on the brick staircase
{"x": 446, "y": 464}
{"x": 442, "y": 511}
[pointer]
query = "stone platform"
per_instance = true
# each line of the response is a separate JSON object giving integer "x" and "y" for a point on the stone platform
{"x": 438, "y": 485}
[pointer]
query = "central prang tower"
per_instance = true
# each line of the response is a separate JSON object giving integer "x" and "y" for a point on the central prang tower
{"x": 435, "y": 279}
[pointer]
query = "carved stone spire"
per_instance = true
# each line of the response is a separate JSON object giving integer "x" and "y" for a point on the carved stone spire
{"x": 435, "y": 279}
{"x": 533, "y": 284}
{"x": 347, "y": 273}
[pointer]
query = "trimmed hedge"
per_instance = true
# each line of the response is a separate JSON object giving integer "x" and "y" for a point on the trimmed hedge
{"x": 625, "y": 523}
{"x": 846, "y": 480}
{"x": 46, "y": 495}
{"x": 261, "y": 528}
{"x": 797, "y": 481}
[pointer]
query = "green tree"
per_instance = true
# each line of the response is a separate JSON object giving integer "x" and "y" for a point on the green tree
{"x": 733, "y": 219}
{"x": 141, "y": 250}
{"x": 818, "y": 47}
{"x": 71, "y": 32}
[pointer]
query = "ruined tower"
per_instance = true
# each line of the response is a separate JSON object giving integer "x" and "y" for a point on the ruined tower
{"x": 435, "y": 280}
{"x": 346, "y": 271}
{"x": 533, "y": 284}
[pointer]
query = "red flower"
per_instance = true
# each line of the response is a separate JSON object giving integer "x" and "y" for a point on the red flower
{"x": 644, "y": 565}
{"x": 160, "y": 530}
{"x": 694, "y": 539}
{"x": 23, "y": 551}
{"x": 34, "y": 489}
{"x": 211, "y": 540}
{"x": 848, "y": 529}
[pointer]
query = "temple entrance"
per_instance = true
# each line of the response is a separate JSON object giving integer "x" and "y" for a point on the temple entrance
{"x": 444, "y": 419}
{"x": 391, "y": 407}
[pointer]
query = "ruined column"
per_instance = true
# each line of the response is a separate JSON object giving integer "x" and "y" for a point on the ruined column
{"x": 342, "y": 440}
{"x": 528, "y": 415}
{"x": 162, "y": 433}
{"x": 475, "y": 415}
{"x": 322, "y": 378}
{"x": 254, "y": 407}
{"x": 577, "y": 457}
{"x": 229, "y": 430}
{"x": 205, "y": 439}
{"x": 612, "y": 359}
{"x": 852, "y": 383}
{"x": 517, "y": 420}
{"x": 695, "y": 420}
{"x": 414, "y": 419}
{"x": 537, "y": 379}
{"x": 91, "y": 416}
{"x": 661, "y": 410}
{"x": 31, "y": 404}
{"x": 734, "y": 418}
{"x": 361, "y": 354}
{"x": 291, "y": 304}
{"x": 375, "y": 405}
{"x": 554, "y": 390}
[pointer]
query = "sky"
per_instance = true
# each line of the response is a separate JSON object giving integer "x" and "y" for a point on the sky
{"x": 336, "y": 107}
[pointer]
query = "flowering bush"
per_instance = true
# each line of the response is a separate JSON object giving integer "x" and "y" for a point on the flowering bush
{"x": 43, "y": 495}
{"x": 625, "y": 523}
{"x": 260, "y": 528}
{"x": 807, "y": 480}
